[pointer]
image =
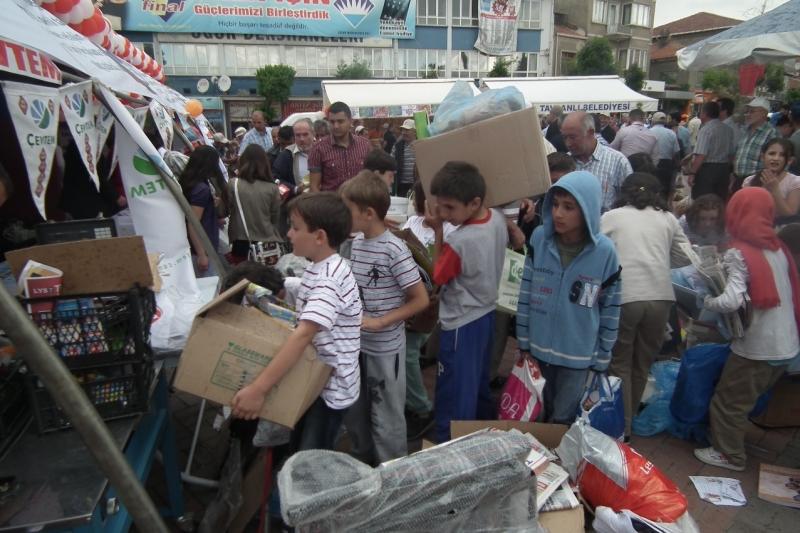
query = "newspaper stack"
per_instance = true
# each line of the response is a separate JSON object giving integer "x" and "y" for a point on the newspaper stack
{"x": 707, "y": 262}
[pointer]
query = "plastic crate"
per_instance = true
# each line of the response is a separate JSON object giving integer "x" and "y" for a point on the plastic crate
{"x": 13, "y": 399}
{"x": 114, "y": 396}
{"x": 97, "y": 329}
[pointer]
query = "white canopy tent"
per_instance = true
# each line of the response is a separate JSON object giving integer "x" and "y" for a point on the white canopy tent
{"x": 593, "y": 94}
{"x": 399, "y": 97}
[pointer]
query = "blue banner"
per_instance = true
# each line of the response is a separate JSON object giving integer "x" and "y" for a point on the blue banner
{"x": 310, "y": 18}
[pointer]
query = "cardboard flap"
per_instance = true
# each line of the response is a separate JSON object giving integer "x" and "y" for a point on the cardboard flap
{"x": 222, "y": 297}
{"x": 548, "y": 434}
{"x": 91, "y": 266}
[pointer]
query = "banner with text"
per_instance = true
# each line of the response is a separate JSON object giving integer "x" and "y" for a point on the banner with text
{"x": 28, "y": 62}
{"x": 497, "y": 26}
{"x": 76, "y": 100}
{"x": 321, "y": 18}
{"x": 163, "y": 119}
{"x": 34, "y": 112}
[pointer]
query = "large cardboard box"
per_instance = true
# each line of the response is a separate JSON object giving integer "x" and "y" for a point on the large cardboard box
{"x": 508, "y": 150}
{"x": 230, "y": 345}
{"x": 783, "y": 409}
{"x": 92, "y": 266}
{"x": 570, "y": 521}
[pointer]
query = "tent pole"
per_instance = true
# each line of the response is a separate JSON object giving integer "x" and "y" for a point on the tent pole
{"x": 81, "y": 413}
{"x": 193, "y": 221}
{"x": 182, "y": 136}
{"x": 76, "y": 79}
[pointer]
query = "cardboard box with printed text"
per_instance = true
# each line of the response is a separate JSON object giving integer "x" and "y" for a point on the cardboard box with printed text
{"x": 230, "y": 345}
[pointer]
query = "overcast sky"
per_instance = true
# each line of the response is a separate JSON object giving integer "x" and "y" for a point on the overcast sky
{"x": 669, "y": 10}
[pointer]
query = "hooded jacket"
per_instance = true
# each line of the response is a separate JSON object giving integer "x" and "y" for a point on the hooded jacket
{"x": 570, "y": 317}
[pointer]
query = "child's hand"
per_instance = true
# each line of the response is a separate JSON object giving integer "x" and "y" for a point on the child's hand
{"x": 528, "y": 209}
{"x": 371, "y": 324}
{"x": 432, "y": 218}
{"x": 247, "y": 402}
{"x": 770, "y": 181}
{"x": 433, "y": 298}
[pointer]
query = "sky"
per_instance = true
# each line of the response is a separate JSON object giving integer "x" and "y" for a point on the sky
{"x": 669, "y": 10}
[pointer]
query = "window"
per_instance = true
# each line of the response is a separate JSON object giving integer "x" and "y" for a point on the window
{"x": 416, "y": 63}
{"x": 636, "y": 15}
{"x": 600, "y": 11}
{"x": 526, "y": 65}
{"x": 566, "y": 62}
{"x": 633, "y": 57}
{"x": 529, "y": 15}
{"x": 465, "y": 12}
{"x": 432, "y": 12}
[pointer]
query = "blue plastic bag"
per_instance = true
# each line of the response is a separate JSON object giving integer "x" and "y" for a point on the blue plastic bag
{"x": 701, "y": 368}
{"x": 656, "y": 416}
{"x": 602, "y": 406}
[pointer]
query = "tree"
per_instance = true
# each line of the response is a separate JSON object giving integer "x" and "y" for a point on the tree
{"x": 501, "y": 69}
{"x": 596, "y": 58}
{"x": 774, "y": 79}
{"x": 668, "y": 78}
{"x": 358, "y": 69}
{"x": 793, "y": 95}
{"x": 719, "y": 82}
{"x": 634, "y": 77}
{"x": 433, "y": 72}
{"x": 275, "y": 85}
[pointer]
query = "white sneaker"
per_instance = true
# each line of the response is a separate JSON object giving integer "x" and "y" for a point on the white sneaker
{"x": 712, "y": 457}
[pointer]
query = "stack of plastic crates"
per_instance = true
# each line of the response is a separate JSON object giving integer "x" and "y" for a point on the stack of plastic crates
{"x": 104, "y": 339}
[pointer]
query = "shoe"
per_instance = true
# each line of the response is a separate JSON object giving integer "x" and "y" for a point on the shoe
{"x": 498, "y": 383}
{"x": 712, "y": 457}
{"x": 418, "y": 425}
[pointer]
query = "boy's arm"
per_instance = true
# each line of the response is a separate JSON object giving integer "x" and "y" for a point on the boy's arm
{"x": 248, "y": 402}
{"x": 523, "y": 308}
{"x": 610, "y": 302}
{"x": 416, "y": 303}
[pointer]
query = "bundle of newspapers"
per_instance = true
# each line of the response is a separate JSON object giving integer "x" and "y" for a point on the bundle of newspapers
{"x": 707, "y": 262}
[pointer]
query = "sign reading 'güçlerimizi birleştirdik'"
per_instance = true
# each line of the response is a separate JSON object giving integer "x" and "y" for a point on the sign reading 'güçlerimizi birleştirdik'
{"x": 325, "y": 18}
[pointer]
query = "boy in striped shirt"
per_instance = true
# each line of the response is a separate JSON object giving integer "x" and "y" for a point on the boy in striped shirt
{"x": 391, "y": 291}
{"x": 329, "y": 317}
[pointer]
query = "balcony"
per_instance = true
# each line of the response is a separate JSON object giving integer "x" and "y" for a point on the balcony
{"x": 618, "y": 32}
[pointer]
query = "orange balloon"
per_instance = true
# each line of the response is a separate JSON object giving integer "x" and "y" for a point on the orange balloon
{"x": 194, "y": 108}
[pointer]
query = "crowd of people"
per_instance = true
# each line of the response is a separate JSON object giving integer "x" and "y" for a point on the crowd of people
{"x": 596, "y": 293}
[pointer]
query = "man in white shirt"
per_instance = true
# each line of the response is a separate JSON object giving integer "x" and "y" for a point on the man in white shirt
{"x": 636, "y": 138}
{"x": 258, "y": 135}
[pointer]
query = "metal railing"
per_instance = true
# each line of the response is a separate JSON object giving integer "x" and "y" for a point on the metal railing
{"x": 619, "y": 29}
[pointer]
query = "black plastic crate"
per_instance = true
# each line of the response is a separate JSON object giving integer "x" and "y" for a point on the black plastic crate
{"x": 13, "y": 398}
{"x": 97, "y": 329}
{"x": 116, "y": 392}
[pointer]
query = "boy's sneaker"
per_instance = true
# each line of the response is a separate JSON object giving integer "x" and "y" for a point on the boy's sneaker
{"x": 712, "y": 457}
{"x": 418, "y": 425}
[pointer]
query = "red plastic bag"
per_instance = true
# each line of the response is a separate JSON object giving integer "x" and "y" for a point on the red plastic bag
{"x": 521, "y": 400}
{"x": 612, "y": 474}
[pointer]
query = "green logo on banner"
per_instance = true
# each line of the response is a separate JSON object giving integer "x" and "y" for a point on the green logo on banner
{"x": 143, "y": 165}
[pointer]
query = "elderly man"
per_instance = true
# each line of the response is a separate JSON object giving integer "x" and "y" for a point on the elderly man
{"x": 405, "y": 157}
{"x": 607, "y": 130}
{"x": 291, "y": 166}
{"x": 340, "y": 156}
{"x": 710, "y": 163}
{"x": 757, "y": 131}
{"x": 553, "y": 129}
{"x": 668, "y": 150}
{"x": 239, "y": 133}
{"x": 258, "y": 135}
{"x": 636, "y": 138}
{"x": 610, "y": 166}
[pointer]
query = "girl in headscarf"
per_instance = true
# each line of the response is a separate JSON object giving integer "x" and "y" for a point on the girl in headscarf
{"x": 759, "y": 264}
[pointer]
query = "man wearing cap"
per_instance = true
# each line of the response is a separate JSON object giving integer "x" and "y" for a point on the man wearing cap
{"x": 607, "y": 130}
{"x": 757, "y": 131}
{"x": 388, "y": 138}
{"x": 221, "y": 144}
{"x": 794, "y": 116}
{"x": 240, "y": 131}
{"x": 668, "y": 150}
{"x": 258, "y": 135}
{"x": 339, "y": 156}
{"x": 710, "y": 162}
{"x": 291, "y": 166}
{"x": 405, "y": 157}
{"x": 362, "y": 131}
{"x": 636, "y": 138}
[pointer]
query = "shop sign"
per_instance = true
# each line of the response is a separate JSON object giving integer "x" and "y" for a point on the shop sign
{"x": 318, "y": 18}
{"x": 301, "y": 106}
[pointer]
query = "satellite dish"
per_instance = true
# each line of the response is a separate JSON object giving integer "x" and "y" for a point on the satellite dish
{"x": 202, "y": 85}
{"x": 224, "y": 83}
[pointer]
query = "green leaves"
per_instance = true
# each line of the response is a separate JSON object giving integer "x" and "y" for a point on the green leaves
{"x": 358, "y": 69}
{"x": 595, "y": 59}
{"x": 275, "y": 85}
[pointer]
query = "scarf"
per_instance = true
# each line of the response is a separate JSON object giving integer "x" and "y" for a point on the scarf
{"x": 749, "y": 218}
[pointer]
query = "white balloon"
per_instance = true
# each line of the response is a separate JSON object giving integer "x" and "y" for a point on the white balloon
{"x": 75, "y": 16}
{"x": 107, "y": 29}
{"x": 117, "y": 43}
{"x": 87, "y": 8}
{"x": 97, "y": 38}
{"x": 137, "y": 58}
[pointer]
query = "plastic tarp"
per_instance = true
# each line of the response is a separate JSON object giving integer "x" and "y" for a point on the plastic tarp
{"x": 593, "y": 94}
{"x": 378, "y": 93}
{"x": 773, "y": 36}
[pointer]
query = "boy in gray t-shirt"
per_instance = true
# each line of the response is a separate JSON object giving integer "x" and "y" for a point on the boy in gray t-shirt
{"x": 467, "y": 267}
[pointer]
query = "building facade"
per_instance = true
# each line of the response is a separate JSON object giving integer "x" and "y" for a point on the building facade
{"x": 188, "y": 58}
{"x": 627, "y": 25}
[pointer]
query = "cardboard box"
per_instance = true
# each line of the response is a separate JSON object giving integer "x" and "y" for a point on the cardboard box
{"x": 508, "y": 150}
{"x": 783, "y": 409}
{"x": 230, "y": 345}
{"x": 92, "y": 266}
{"x": 570, "y": 521}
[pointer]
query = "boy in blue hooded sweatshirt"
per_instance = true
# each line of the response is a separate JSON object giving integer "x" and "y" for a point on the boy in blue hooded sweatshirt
{"x": 569, "y": 303}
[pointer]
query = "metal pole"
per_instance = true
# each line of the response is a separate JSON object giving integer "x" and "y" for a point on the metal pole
{"x": 193, "y": 221}
{"x": 66, "y": 76}
{"x": 182, "y": 136}
{"x": 48, "y": 367}
{"x": 448, "y": 67}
